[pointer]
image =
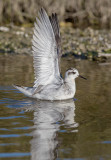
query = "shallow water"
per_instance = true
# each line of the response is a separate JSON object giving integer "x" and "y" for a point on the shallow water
{"x": 78, "y": 129}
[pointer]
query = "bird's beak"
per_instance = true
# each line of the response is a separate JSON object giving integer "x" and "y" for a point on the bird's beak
{"x": 82, "y": 77}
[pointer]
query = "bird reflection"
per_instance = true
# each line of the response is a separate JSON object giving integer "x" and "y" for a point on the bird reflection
{"x": 48, "y": 118}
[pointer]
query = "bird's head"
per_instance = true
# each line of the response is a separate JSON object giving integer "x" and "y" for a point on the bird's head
{"x": 72, "y": 73}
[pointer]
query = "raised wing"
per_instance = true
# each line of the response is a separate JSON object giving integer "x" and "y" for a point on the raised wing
{"x": 55, "y": 26}
{"x": 46, "y": 50}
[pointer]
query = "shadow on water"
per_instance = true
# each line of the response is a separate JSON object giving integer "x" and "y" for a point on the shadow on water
{"x": 35, "y": 130}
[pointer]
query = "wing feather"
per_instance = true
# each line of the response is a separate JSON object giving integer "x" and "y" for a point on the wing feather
{"x": 45, "y": 49}
{"x": 55, "y": 26}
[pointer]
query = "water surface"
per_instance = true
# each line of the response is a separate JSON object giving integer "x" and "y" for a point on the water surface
{"x": 78, "y": 129}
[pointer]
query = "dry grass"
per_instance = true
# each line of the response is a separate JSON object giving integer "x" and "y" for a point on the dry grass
{"x": 80, "y": 12}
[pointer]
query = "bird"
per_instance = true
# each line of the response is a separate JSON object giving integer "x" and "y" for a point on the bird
{"x": 46, "y": 50}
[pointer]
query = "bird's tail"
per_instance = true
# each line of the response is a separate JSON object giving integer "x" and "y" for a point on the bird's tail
{"x": 24, "y": 90}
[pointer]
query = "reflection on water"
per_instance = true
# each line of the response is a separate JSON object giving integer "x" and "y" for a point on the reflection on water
{"x": 47, "y": 121}
{"x": 31, "y": 129}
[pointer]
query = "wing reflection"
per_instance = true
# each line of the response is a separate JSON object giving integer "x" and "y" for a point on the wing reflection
{"x": 48, "y": 118}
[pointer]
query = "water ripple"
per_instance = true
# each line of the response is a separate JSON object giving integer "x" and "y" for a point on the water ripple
{"x": 12, "y": 117}
{"x": 13, "y": 135}
{"x": 4, "y": 155}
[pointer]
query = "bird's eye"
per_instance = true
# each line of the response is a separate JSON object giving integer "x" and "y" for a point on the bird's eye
{"x": 70, "y": 73}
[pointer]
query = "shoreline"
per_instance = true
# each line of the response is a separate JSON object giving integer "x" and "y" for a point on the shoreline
{"x": 85, "y": 44}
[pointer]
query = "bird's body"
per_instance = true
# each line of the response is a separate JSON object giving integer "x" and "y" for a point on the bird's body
{"x": 51, "y": 91}
{"x": 49, "y": 85}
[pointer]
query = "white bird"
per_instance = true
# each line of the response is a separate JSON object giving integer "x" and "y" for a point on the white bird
{"x": 48, "y": 84}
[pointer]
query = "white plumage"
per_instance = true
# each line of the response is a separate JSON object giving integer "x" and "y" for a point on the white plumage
{"x": 44, "y": 51}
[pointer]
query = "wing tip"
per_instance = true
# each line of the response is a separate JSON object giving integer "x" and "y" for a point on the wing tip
{"x": 42, "y": 11}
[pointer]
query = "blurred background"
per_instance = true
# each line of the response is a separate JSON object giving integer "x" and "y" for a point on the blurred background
{"x": 82, "y": 13}
{"x": 86, "y": 23}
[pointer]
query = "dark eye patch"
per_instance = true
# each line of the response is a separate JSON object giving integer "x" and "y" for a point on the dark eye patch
{"x": 71, "y": 73}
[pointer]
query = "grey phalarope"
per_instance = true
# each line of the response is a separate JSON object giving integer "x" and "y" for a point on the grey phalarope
{"x": 49, "y": 85}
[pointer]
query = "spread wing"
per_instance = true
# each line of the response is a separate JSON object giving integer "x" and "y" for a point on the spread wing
{"x": 46, "y": 49}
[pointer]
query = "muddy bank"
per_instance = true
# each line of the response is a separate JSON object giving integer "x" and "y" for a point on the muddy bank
{"x": 87, "y": 43}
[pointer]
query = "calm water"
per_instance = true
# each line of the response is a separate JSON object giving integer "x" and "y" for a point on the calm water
{"x": 78, "y": 129}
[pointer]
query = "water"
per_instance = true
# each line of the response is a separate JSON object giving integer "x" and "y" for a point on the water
{"x": 78, "y": 129}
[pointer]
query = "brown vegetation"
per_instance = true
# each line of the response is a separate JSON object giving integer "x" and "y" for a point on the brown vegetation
{"x": 79, "y": 12}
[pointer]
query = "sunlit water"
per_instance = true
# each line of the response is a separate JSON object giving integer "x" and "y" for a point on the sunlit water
{"x": 78, "y": 129}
